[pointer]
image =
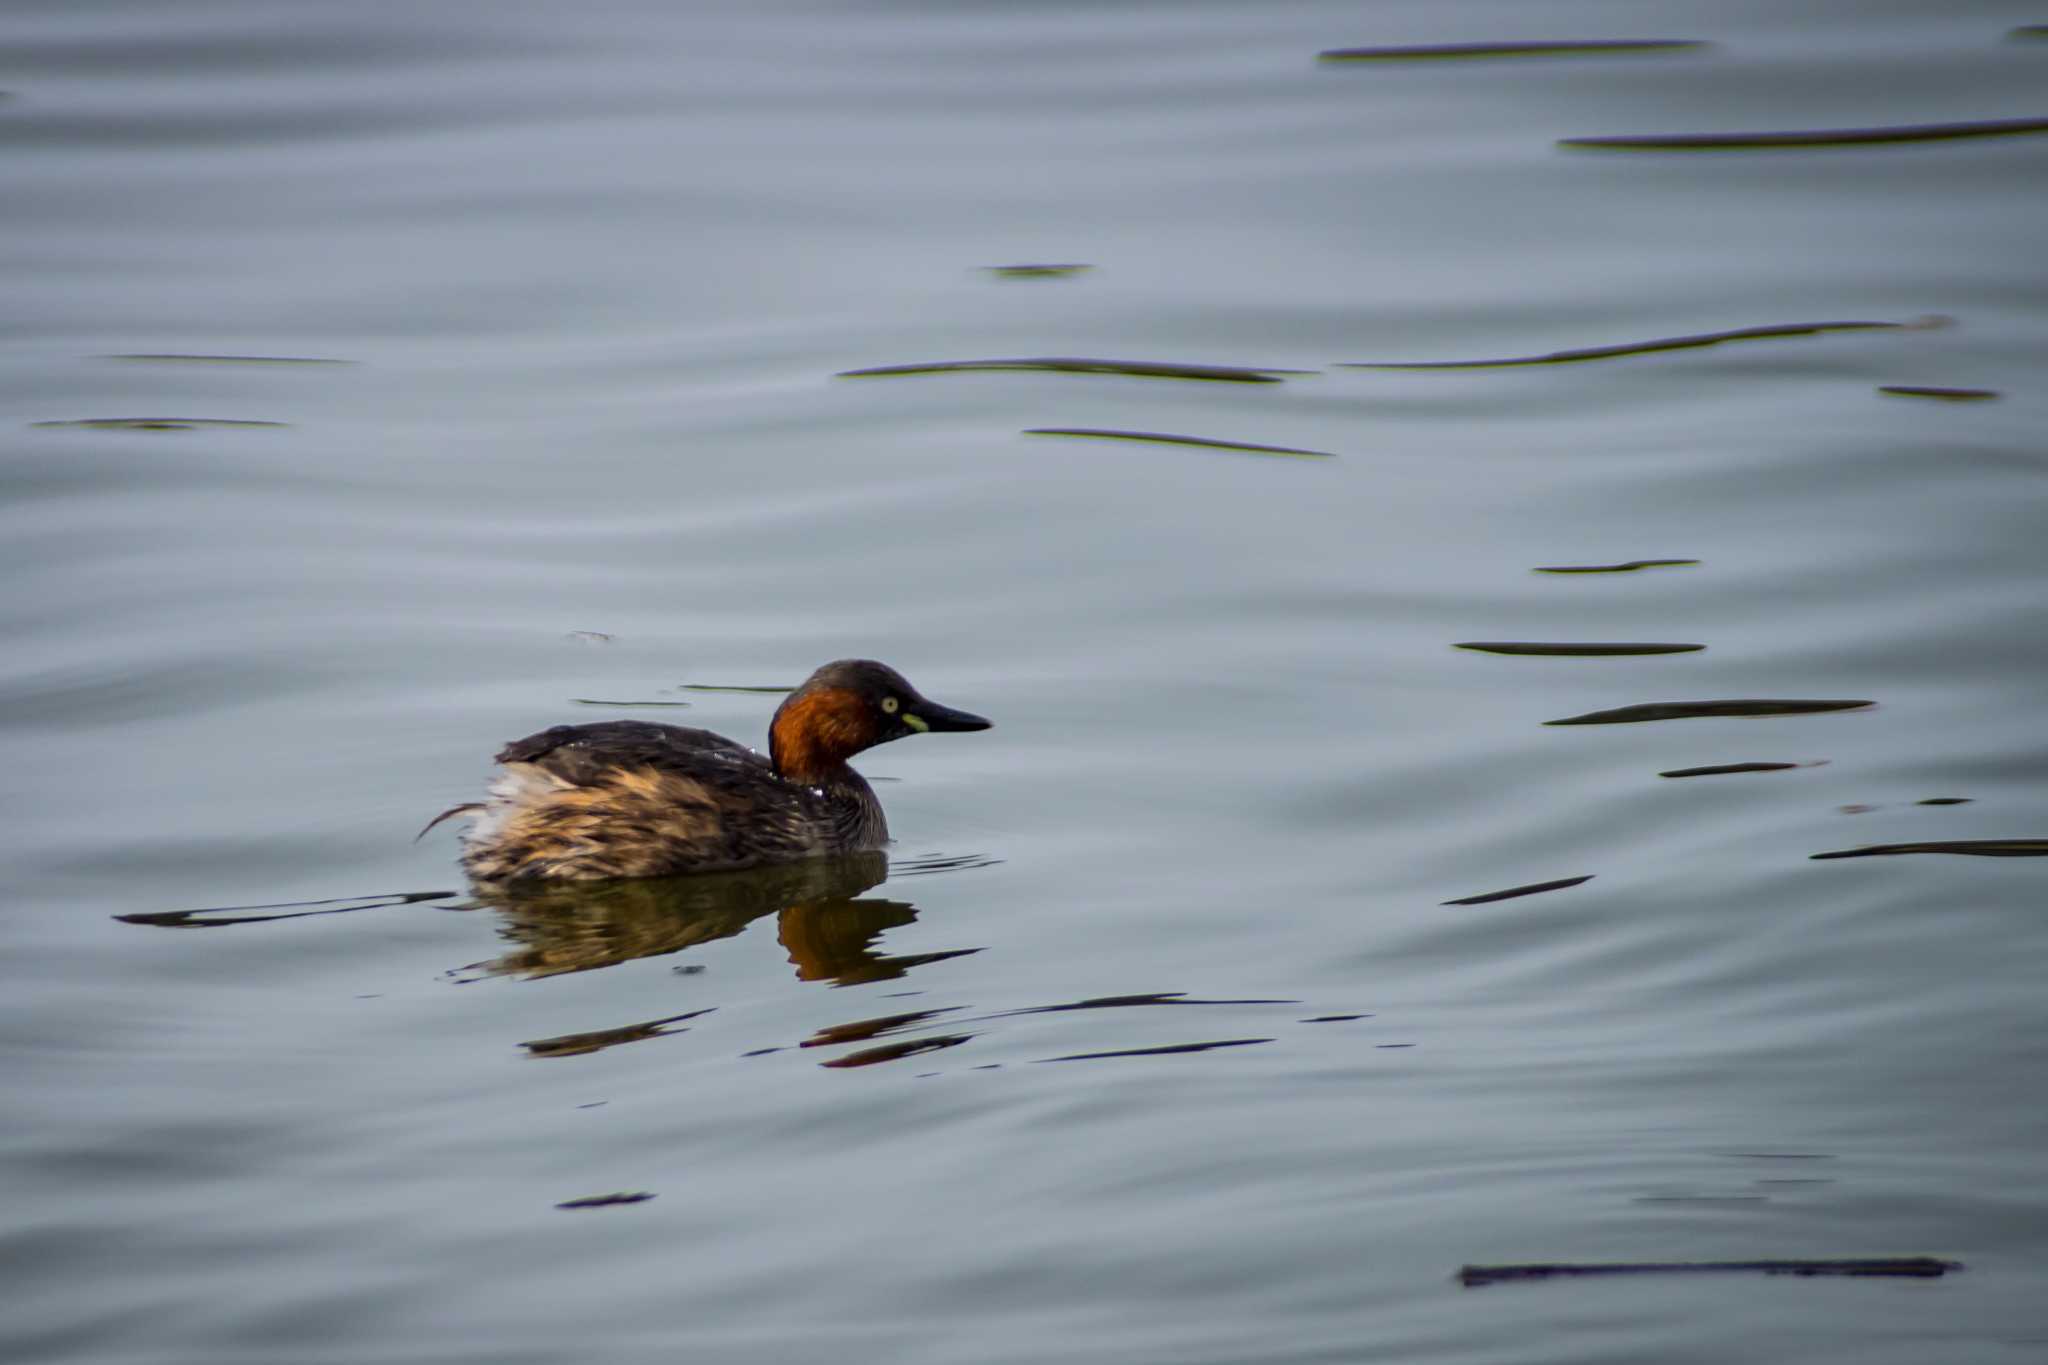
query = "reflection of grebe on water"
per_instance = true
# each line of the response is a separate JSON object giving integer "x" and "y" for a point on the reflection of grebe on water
{"x": 828, "y": 930}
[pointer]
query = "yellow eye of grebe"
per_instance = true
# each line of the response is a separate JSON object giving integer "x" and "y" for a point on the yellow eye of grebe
{"x": 889, "y": 704}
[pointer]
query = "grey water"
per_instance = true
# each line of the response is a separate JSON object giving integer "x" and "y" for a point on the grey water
{"x": 380, "y": 383}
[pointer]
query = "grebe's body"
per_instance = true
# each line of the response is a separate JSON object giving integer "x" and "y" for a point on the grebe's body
{"x": 633, "y": 799}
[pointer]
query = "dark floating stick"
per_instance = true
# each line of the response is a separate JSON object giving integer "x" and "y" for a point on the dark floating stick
{"x": 605, "y": 1201}
{"x": 1683, "y": 710}
{"x": 1156, "y": 1051}
{"x": 1975, "y": 848}
{"x": 1515, "y": 891}
{"x": 1946, "y": 801}
{"x": 1817, "y": 137}
{"x": 2026, "y": 33}
{"x": 1589, "y": 651}
{"x": 1681, "y": 343}
{"x": 1034, "y": 271}
{"x": 1456, "y": 51}
{"x": 1894, "y": 1267}
{"x": 1946, "y": 395}
{"x": 1146, "y": 369}
{"x": 155, "y": 423}
{"x": 1162, "y": 438}
{"x": 173, "y": 358}
{"x": 1717, "y": 769}
{"x": 1630, "y": 567}
{"x": 342, "y": 905}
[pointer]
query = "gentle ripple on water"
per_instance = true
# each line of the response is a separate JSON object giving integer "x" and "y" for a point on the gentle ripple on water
{"x": 507, "y": 349}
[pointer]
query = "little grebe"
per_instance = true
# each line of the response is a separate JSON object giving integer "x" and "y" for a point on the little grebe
{"x": 627, "y": 798}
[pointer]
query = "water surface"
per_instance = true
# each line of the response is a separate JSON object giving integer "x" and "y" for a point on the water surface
{"x": 1155, "y": 1040}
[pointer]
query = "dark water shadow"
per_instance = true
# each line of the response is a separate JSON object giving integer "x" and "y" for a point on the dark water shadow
{"x": 771, "y": 689}
{"x": 1723, "y": 769}
{"x": 1165, "y": 438}
{"x": 1939, "y": 394}
{"x": 606, "y": 1201}
{"x": 264, "y": 914}
{"x": 173, "y": 358}
{"x": 1142, "y": 1000}
{"x": 890, "y": 1052}
{"x": 1437, "y": 52}
{"x": 1627, "y": 566}
{"x": 825, "y": 926}
{"x": 157, "y": 423}
{"x": 1810, "y": 137}
{"x": 1684, "y": 710}
{"x": 1533, "y": 889}
{"x": 599, "y": 701}
{"x": 933, "y": 864}
{"x": 1142, "y": 369}
{"x": 863, "y": 1030}
{"x": 1772, "y": 332}
{"x": 949, "y": 1017}
{"x": 597, "y": 1040}
{"x": 1027, "y": 270}
{"x": 1971, "y": 848}
{"x": 1893, "y": 1267}
{"x": 1569, "y": 650}
{"x": 1168, "y": 1050}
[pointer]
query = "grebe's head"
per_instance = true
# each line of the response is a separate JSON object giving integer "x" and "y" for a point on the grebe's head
{"x": 848, "y": 706}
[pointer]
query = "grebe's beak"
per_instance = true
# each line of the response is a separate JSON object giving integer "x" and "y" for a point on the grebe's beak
{"x": 929, "y": 715}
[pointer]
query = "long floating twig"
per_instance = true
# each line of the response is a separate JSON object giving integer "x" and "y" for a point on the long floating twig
{"x": 1455, "y": 51}
{"x": 1683, "y": 710}
{"x": 1572, "y": 650}
{"x": 1898, "y": 1267}
{"x": 1977, "y": 848}
{"x": 1815, "y": 137}
{"x": 1164, "y": 438}
{"x": 1145, "y": 369}
{"x": 1515, "y": 891}
{"x": 1683, "y": 343}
